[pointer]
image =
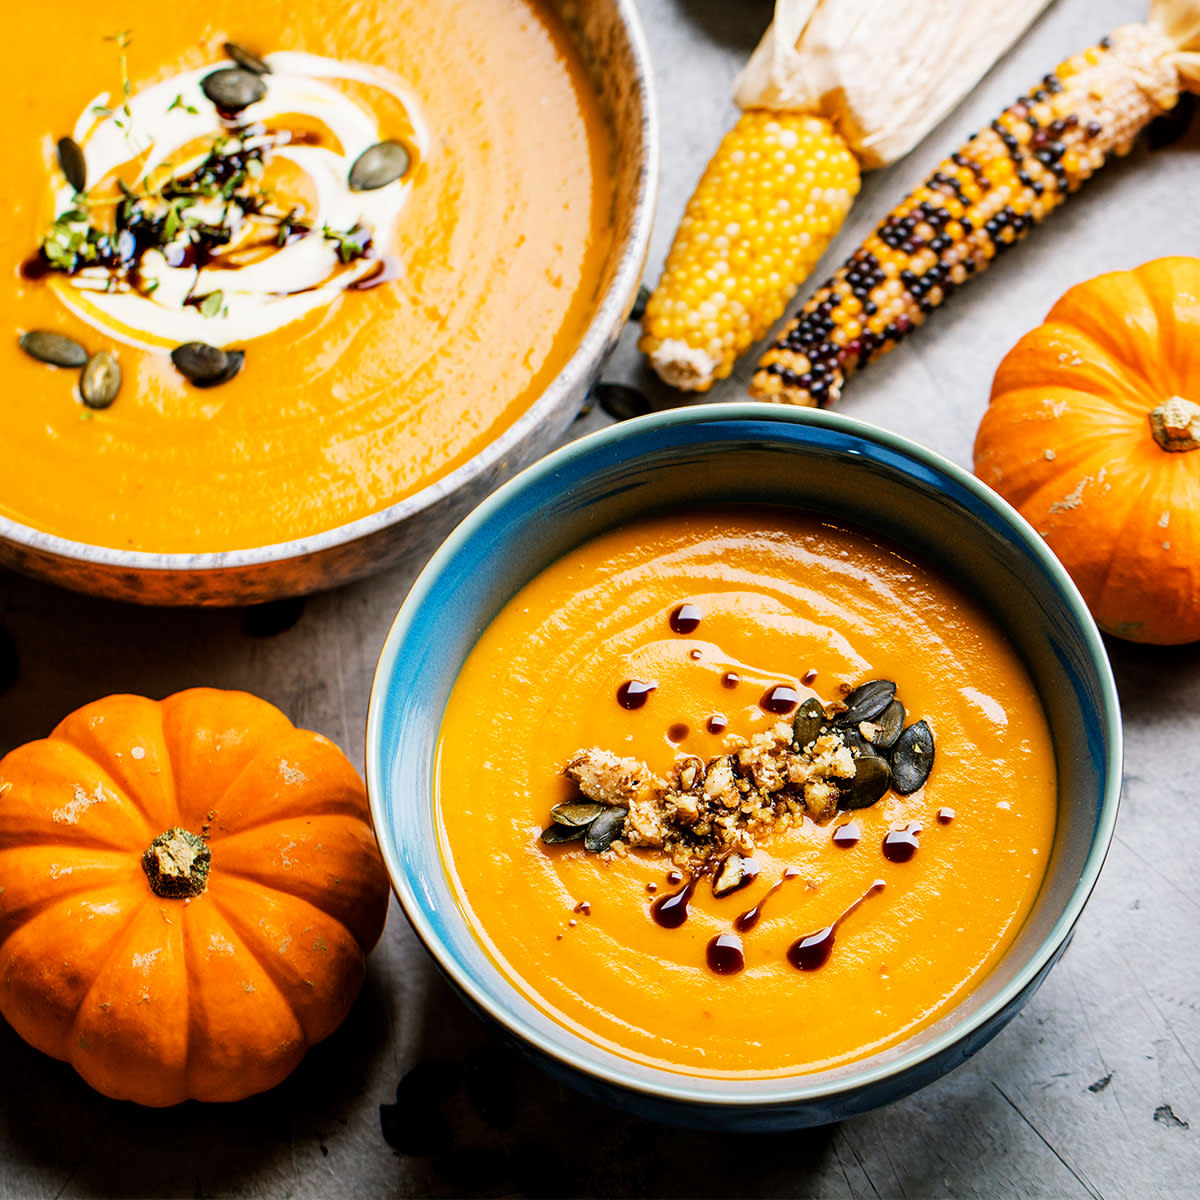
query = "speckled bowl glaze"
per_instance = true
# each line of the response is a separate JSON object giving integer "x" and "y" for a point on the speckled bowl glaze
{"x": 715, "y": 455}
{"x": 609, "y": 35}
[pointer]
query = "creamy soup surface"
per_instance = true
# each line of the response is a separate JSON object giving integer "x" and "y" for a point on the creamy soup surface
{"x": 389, "y": 335}
{"x": 777, "y": 601}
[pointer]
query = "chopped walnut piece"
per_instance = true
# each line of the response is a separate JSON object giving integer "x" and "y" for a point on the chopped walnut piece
{"x": 607, "y": 778}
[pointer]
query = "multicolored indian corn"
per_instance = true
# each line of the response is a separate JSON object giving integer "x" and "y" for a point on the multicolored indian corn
{"x": 979, "y": 201}
{"x": 774, "y": 194}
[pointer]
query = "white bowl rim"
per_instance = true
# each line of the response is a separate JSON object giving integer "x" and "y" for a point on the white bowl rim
{"x": 704, "y": 1091}
{"x": 607, "y": 319}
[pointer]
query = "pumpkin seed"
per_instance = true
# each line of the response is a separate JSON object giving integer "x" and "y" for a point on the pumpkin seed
{"x": 605, "y": 829}
{"x": 872, "y": 777}
{"x": 73, "y": 163}
{"x": 643, "y": 298}
{"x": 379, "y": 165}
{"x": 576, "y": 813}
{"x": 52, "y": 348}
{"x": 866, "y": 702}
{"x": 555, "y": 834}
{"x": 619, "y": 401}
{"x": 887, "y": 726}
{"x": 806, "y": 728}
{"x": 232, "y": 89}
{"x": 101, "y": 380}
{"x": 912, "y": 758}
{"x": 207, "y": 366}
{"x": 859, "y": 745}
{"x": 245, "y": 60}
{"x": 733, "y": 873}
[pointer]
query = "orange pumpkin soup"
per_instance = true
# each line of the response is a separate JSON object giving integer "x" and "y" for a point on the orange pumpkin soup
{"x": 667, "y": 646}
{"x": 379, "y": 234}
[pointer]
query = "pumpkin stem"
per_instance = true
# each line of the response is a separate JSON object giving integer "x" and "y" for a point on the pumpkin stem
{"x": 176, "y": 863}
{"x": 1176, "y": 424}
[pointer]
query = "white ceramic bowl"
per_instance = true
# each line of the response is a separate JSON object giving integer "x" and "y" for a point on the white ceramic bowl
{"x": 609, "y": 36}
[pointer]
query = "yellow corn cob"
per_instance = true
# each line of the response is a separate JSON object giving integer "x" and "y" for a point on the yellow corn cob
{"x": 774, "y": 194}
{"x": 978, "y": 202}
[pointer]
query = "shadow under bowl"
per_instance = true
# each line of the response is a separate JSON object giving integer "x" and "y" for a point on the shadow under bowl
{"x": 610, "y": 40}
{"x": 714, "y": 456}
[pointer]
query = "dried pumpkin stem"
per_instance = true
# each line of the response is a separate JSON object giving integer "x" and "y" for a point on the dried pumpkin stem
{"x": 1176, "y": 425}
{"x": 177, "y": 864}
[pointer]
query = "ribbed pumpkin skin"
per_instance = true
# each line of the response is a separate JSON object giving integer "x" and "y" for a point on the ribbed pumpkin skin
{"x": 1067, "y": 441}
{"x": 218, "y": 996}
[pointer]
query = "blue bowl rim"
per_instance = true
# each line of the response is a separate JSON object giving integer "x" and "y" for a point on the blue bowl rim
{"x": 673, "y": 1086}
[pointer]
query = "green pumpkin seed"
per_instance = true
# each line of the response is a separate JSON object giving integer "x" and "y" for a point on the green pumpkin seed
{"x": 555, "y": 834}
{"x": 806, "y": 728}
{"x": 872, "y": 778}
{"x": 577, "y": 812}
{"x": 866, "y": 702}
{"x": 912, "y": 758}
{"x": 379, "y": 165}
{"x": 245, "y": 60}
{"x": 52, "y": 348}
{"x": 859, "y": 746}
{"x": 73, "y": 163}
{"x": 232, "y": 89}
{"x": 605, "y": 829}
{"x": 887, "y": 726}
{"x": 207, "y": 366}
{"x": 101, "y": 380}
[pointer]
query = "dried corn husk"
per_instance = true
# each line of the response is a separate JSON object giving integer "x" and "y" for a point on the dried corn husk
{"x": 884, "y": 73}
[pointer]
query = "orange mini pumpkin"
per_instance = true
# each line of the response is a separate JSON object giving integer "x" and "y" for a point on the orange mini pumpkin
{"x": 188, "y": 890}
{"x": 1090, "y": 433}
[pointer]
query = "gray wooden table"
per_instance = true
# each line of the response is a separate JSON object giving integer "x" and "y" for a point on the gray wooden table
{"x": 1093, "y": 1091}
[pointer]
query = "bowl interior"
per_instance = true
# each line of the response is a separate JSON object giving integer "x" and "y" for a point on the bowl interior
{"x": 721, "y": 455}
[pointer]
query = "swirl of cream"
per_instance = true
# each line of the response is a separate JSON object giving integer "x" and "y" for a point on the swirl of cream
{"x": 282, "y": 286}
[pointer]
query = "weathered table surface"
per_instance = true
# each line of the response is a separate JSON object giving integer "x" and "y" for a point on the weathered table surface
{"x": 1094, "y": 1090}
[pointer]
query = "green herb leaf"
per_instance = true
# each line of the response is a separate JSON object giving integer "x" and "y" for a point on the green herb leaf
{"x": 178, "y": 103}
{"x": 212, "y": 304}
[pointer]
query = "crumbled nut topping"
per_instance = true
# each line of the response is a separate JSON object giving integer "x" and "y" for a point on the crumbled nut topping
{"x": 731, "y": 803}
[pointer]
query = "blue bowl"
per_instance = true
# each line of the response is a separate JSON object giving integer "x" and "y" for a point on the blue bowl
{"x": 717, "y": 455}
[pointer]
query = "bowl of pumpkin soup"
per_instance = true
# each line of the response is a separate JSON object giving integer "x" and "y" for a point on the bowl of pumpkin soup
{"x": 750, "y": 767}
{"x": 286, "y": 293}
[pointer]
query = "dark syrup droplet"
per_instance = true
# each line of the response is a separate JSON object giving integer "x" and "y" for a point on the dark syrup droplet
{"x": 695, "y": 655}
{"x": 901, "y": 844}
{"x": 671, "y": 911}
{"x": 945, "y": 816}
{"x": 780, "y": 699}
{"x": 809, "y": 676}
{"x": 678, "y": 732}
{"x": 811, "y": 951}
{"x": 746, "y": 921}
{"x": 730, "y": 679}
{"x": 685, "y": 618}
{"x": 725, "y": 954}
{"x": 633, "y": 693}
{"x": 716, "y": 724}
{"x": 848, "y": 835}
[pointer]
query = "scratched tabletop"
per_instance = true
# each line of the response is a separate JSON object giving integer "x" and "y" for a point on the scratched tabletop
{"x": 1094, "y": 1089}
